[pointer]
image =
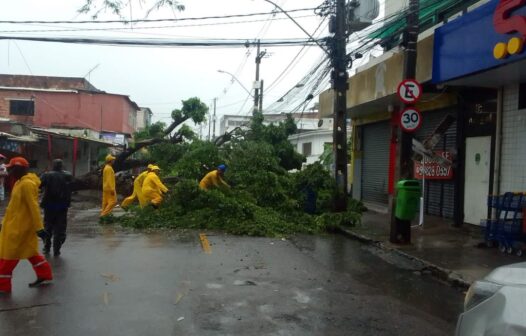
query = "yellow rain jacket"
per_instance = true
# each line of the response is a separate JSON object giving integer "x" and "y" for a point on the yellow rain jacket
{"x": 108, "y": 179}
{"x": 137, "y": 191}
{"x": 153, "y": 189}
{"x": 22, "y": 220}
{"x": 212, "y": 179}
{"x": 109, "y": 194}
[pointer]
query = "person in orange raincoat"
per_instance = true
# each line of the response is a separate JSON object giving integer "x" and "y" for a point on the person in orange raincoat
{"x": 21, "y": 227}
{"x": 137, "y": 190}
{"x": 152, "y": 188}
{"x": 214, "y": 179}
{"x": 109, "y": 193}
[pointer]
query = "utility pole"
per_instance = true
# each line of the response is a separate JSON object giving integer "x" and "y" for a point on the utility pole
{"x": 214, "y": 118}
{"x": 261, "y": 98}
{"x": 411, "y": 40}
{"x": 209, "y": 126}
{"x": 259, "y": 56}
{"x": 401, "y": 229}
{"x": 340, "y": 77}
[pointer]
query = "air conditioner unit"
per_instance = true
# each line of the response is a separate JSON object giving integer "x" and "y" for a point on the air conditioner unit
{"x": 362, "y": 13}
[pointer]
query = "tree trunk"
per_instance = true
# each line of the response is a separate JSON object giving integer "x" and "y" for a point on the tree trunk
{"x": 93, "y": 179}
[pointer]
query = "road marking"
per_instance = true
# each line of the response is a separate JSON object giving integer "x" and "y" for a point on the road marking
{"x": 205, "y": 244}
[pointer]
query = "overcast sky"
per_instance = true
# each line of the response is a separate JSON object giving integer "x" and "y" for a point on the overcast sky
{"x": 160, "y": 78}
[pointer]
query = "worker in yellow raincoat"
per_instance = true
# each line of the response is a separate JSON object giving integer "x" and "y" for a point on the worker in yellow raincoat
{"x": 152, "y": 188}
{"x": 109, "y": 193}
{"x": 21, "y": 227}
{"x": 137, "y": 190}
{"x": 214, "y": 179}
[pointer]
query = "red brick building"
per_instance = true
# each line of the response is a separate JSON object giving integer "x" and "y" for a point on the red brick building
{"x": 62, "y": 102}
{"x": 43, "y": 118}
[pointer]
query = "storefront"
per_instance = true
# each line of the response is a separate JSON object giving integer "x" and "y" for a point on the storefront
{"x": 375, "y": 139}
{"x": 482, "y": 53}
{"x": 374, "y": 109}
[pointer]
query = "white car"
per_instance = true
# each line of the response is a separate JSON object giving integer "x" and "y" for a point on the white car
{"x": 496, "y": 305}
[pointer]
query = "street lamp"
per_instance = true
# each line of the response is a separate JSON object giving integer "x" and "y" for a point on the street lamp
{"x": 237, "y": 80}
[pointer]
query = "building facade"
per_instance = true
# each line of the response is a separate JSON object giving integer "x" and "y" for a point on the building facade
{"x": 494, "y": 150}
{"x": 312, "y": 144}
{"x": 45, "y": 118}
{"x": 144, "y": 118}
{"x": 306, "y": 121}
{"x": 375, "y": 109}
{"x": 58, "y": 102}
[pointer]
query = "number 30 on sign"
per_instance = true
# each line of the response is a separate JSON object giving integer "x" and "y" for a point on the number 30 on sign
{"x": 410, "y": 119}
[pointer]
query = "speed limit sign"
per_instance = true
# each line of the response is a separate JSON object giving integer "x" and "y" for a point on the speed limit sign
{"x": 410, "y": 119}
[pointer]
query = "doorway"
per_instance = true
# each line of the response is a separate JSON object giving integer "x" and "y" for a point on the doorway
{"x": 477, "y": 178}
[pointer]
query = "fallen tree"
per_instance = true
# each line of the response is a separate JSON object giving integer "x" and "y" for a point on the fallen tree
{"x": 176, "y": 133}
{"x": 269, "y": 194}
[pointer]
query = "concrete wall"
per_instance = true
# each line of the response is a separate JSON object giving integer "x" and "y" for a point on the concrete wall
{"x": 96, "y": 111}
{"x": 513, "y": 156}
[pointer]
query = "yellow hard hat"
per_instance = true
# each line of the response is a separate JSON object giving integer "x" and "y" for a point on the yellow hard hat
{"x": 110, "y": 158}
{"x": 154, "y": 168}
{"x": 150, "y": 166}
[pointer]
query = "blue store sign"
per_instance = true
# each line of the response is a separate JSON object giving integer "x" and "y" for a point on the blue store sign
{"x": 485, "y": 38}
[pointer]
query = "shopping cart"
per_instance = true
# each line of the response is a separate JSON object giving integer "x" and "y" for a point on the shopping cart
{"x": 506, "y": 229}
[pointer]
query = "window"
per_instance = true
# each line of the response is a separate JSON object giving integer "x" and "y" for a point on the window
{"x": 22, "y": 107}
{"x": 307, "y": 148}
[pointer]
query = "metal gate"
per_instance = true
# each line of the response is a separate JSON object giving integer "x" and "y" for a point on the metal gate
{"x": 375, "y": 162}
{"x": 440, "y": 194}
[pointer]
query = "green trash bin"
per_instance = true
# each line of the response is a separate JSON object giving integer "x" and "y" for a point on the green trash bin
{"x": 407, "y": 199}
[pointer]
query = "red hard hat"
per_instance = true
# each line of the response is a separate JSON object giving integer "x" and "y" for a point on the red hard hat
{"x": 18, "y": 161}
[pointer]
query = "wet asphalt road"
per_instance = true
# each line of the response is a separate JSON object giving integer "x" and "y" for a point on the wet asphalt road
{"x": 110, "y": 282}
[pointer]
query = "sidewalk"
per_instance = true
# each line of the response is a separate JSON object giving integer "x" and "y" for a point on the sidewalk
{"x": 450, "y": 253}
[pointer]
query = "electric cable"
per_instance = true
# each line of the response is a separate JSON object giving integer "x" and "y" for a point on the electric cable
{"x": 135, "y": 28}
{"x": 153, "y": 20}
{"x": 161, "y": 42}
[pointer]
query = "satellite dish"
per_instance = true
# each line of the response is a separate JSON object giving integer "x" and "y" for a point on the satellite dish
{"x": 320, "y": 123}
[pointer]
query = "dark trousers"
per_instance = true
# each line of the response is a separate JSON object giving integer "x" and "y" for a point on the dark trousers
{"x": 55, "y": 223}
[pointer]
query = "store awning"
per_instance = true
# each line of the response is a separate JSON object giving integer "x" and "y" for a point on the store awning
{"x": 45, "y": 132}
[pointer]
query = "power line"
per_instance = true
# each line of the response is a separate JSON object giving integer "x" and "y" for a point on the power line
{"x": 155, "y": 20}
{"x": 150, "y": 42}
{"x": 23, "y": 57}
{"x": 244, "y": 61}
{"x": 134, "y": 28}
{"x": 290, "y": 66}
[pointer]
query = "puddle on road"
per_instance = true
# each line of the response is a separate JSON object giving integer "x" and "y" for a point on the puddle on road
{"x": 384, "y": 274}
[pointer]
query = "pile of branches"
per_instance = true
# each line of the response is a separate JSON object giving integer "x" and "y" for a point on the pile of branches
{"x": 269, "y": 194}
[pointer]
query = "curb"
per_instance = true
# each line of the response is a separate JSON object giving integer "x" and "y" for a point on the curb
{"x": 452, "y": 278}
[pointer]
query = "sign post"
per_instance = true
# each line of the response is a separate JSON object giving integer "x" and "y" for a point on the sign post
{"x": 409, "y": 91}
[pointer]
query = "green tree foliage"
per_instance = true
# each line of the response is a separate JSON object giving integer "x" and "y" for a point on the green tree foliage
{"x": 152, "y": 131}
{"x": 277, "y": 136}
{"x": 118, "y": 7}
{"x": 199, "y": 158}
{"x": 266, "y": 198}
{"x": 193, "y": 108}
